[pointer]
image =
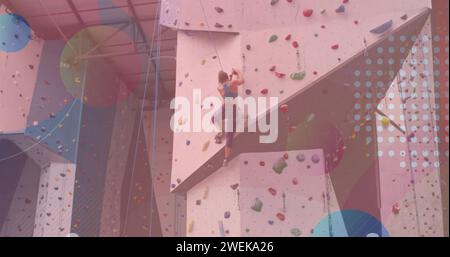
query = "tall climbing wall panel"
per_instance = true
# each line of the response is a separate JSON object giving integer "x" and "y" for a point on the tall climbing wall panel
{"x": 55, "y": 201}
{"x": 171, "y": 206}
{"x": 408, "y": 154}
{"x": 116, "y": 169}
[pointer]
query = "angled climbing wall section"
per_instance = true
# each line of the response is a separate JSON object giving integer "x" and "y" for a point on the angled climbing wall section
{"x": 283, "y": 50}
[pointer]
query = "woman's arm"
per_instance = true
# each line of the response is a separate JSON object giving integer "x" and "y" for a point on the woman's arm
{"x": 240, "y": 78}
{"x": 221, "y": 90}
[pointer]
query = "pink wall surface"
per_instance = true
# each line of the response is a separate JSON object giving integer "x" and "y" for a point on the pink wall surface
{"x": 409, "y": 163}
{"x": 315, "y": 36}
{"x": 171, "y": 206}
{"x": 55, "y": 200}
{"x": 225, "y": 199}
{"x": 118, "y": 156}
{"x": 18, "y": 73}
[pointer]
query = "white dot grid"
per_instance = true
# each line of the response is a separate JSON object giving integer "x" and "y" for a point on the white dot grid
{"x": 416, "y": 87}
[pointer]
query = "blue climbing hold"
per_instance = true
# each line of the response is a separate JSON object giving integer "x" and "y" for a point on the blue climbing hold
{"x": 382, "y": 28}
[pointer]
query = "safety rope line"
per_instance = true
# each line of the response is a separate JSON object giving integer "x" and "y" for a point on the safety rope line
{"x": 140, "y": 123}
{"x": 408, "y": 147}
{"x": 210, "y": 35}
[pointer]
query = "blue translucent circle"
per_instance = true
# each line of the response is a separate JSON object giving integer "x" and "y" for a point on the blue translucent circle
{"x": 349, "y": 223}
{"x": 15, "y": 32}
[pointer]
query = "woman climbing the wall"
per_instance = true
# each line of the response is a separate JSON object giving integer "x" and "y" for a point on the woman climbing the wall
{"x": 228, "y": 88}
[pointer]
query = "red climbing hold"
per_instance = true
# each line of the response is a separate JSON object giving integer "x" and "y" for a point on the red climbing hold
{"x": 295, "y": 44}
{"x": 314, "y": 72}
{"x": 295, "y": 181}
{"x": 286, "y": 156}
{"x": 281, "y": 216}
{"x": 265, "y": 91}
{"x": 284, "y": 108}
{"x": 335, "y": 47}
{"x": 308, "y": 12}
{"x": 280, "y": 75}
{"x": 345, "y": 1}
{"x": 262, "y": 163}
{"x": 272, "y": 191}
{"x": 292, "y": 129}
{"x": 288, "y": 37}
{"x": 273, "y": 68}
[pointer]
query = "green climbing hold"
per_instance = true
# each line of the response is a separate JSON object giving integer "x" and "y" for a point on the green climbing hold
{"x": 311, "y": 117}
{"x": 279, "y": 166}
{"x": 257, "y": 205}
{"x": 298, "y": 75}
{"x": 274, "y": 2}
{"x": 273, "y": 38}
{"x": 296, "y": 232}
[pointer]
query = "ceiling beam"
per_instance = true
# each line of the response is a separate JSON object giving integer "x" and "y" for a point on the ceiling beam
{"x": 91, "y": 10}
{"x": 10, "y": 6}
{"x": 144, "y": 36}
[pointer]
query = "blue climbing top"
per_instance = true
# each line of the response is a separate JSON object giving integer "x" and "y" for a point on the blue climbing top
{"x": 227, "y": 91}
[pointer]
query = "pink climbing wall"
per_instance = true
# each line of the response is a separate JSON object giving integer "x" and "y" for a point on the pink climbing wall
{"x": 198, "y": 69}
{"x": 54, "y": 200}
{"x": 118, "y": 156}
{"x": 18, "y": 73}
{"x": 313, "y": 46}
{"x": 171, "y": 206}
{"x": 20, "y": 220}
{"x": 409, "y": 162}
{"x": 263, "y": 194}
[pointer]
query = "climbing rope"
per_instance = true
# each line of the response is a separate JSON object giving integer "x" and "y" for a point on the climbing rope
{"x": 140, "y": 123}
{"x": 210, "y": 35}
{"x": 408, "y": 148}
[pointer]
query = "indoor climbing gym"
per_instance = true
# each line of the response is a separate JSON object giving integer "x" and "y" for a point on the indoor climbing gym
{"x": 224, "y": 119}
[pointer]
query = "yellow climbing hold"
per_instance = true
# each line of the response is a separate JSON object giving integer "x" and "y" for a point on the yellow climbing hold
{"x": 190, "y": 226}
{"x": 385, "y": 121}
{"x": 205, "y": 146}
{"x": 205, "y": 193}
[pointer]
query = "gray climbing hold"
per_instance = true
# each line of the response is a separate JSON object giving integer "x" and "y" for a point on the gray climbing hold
{"x": 279, "y": 166}
{"x": 315, "y": 158}
{"x": 300, "y": 157}
{"x": 298, "y": 75}
{"x": 340, "y": 9}
{"x": 382, "y": 28}
{"x": 296, "y": 232}
{"x": 274, "y": 2}
{"x": 227, "y": 215}
{"x": 257, "y": 205}
{"x": 218, "y": 9}
{"x": 273, "y": 38}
